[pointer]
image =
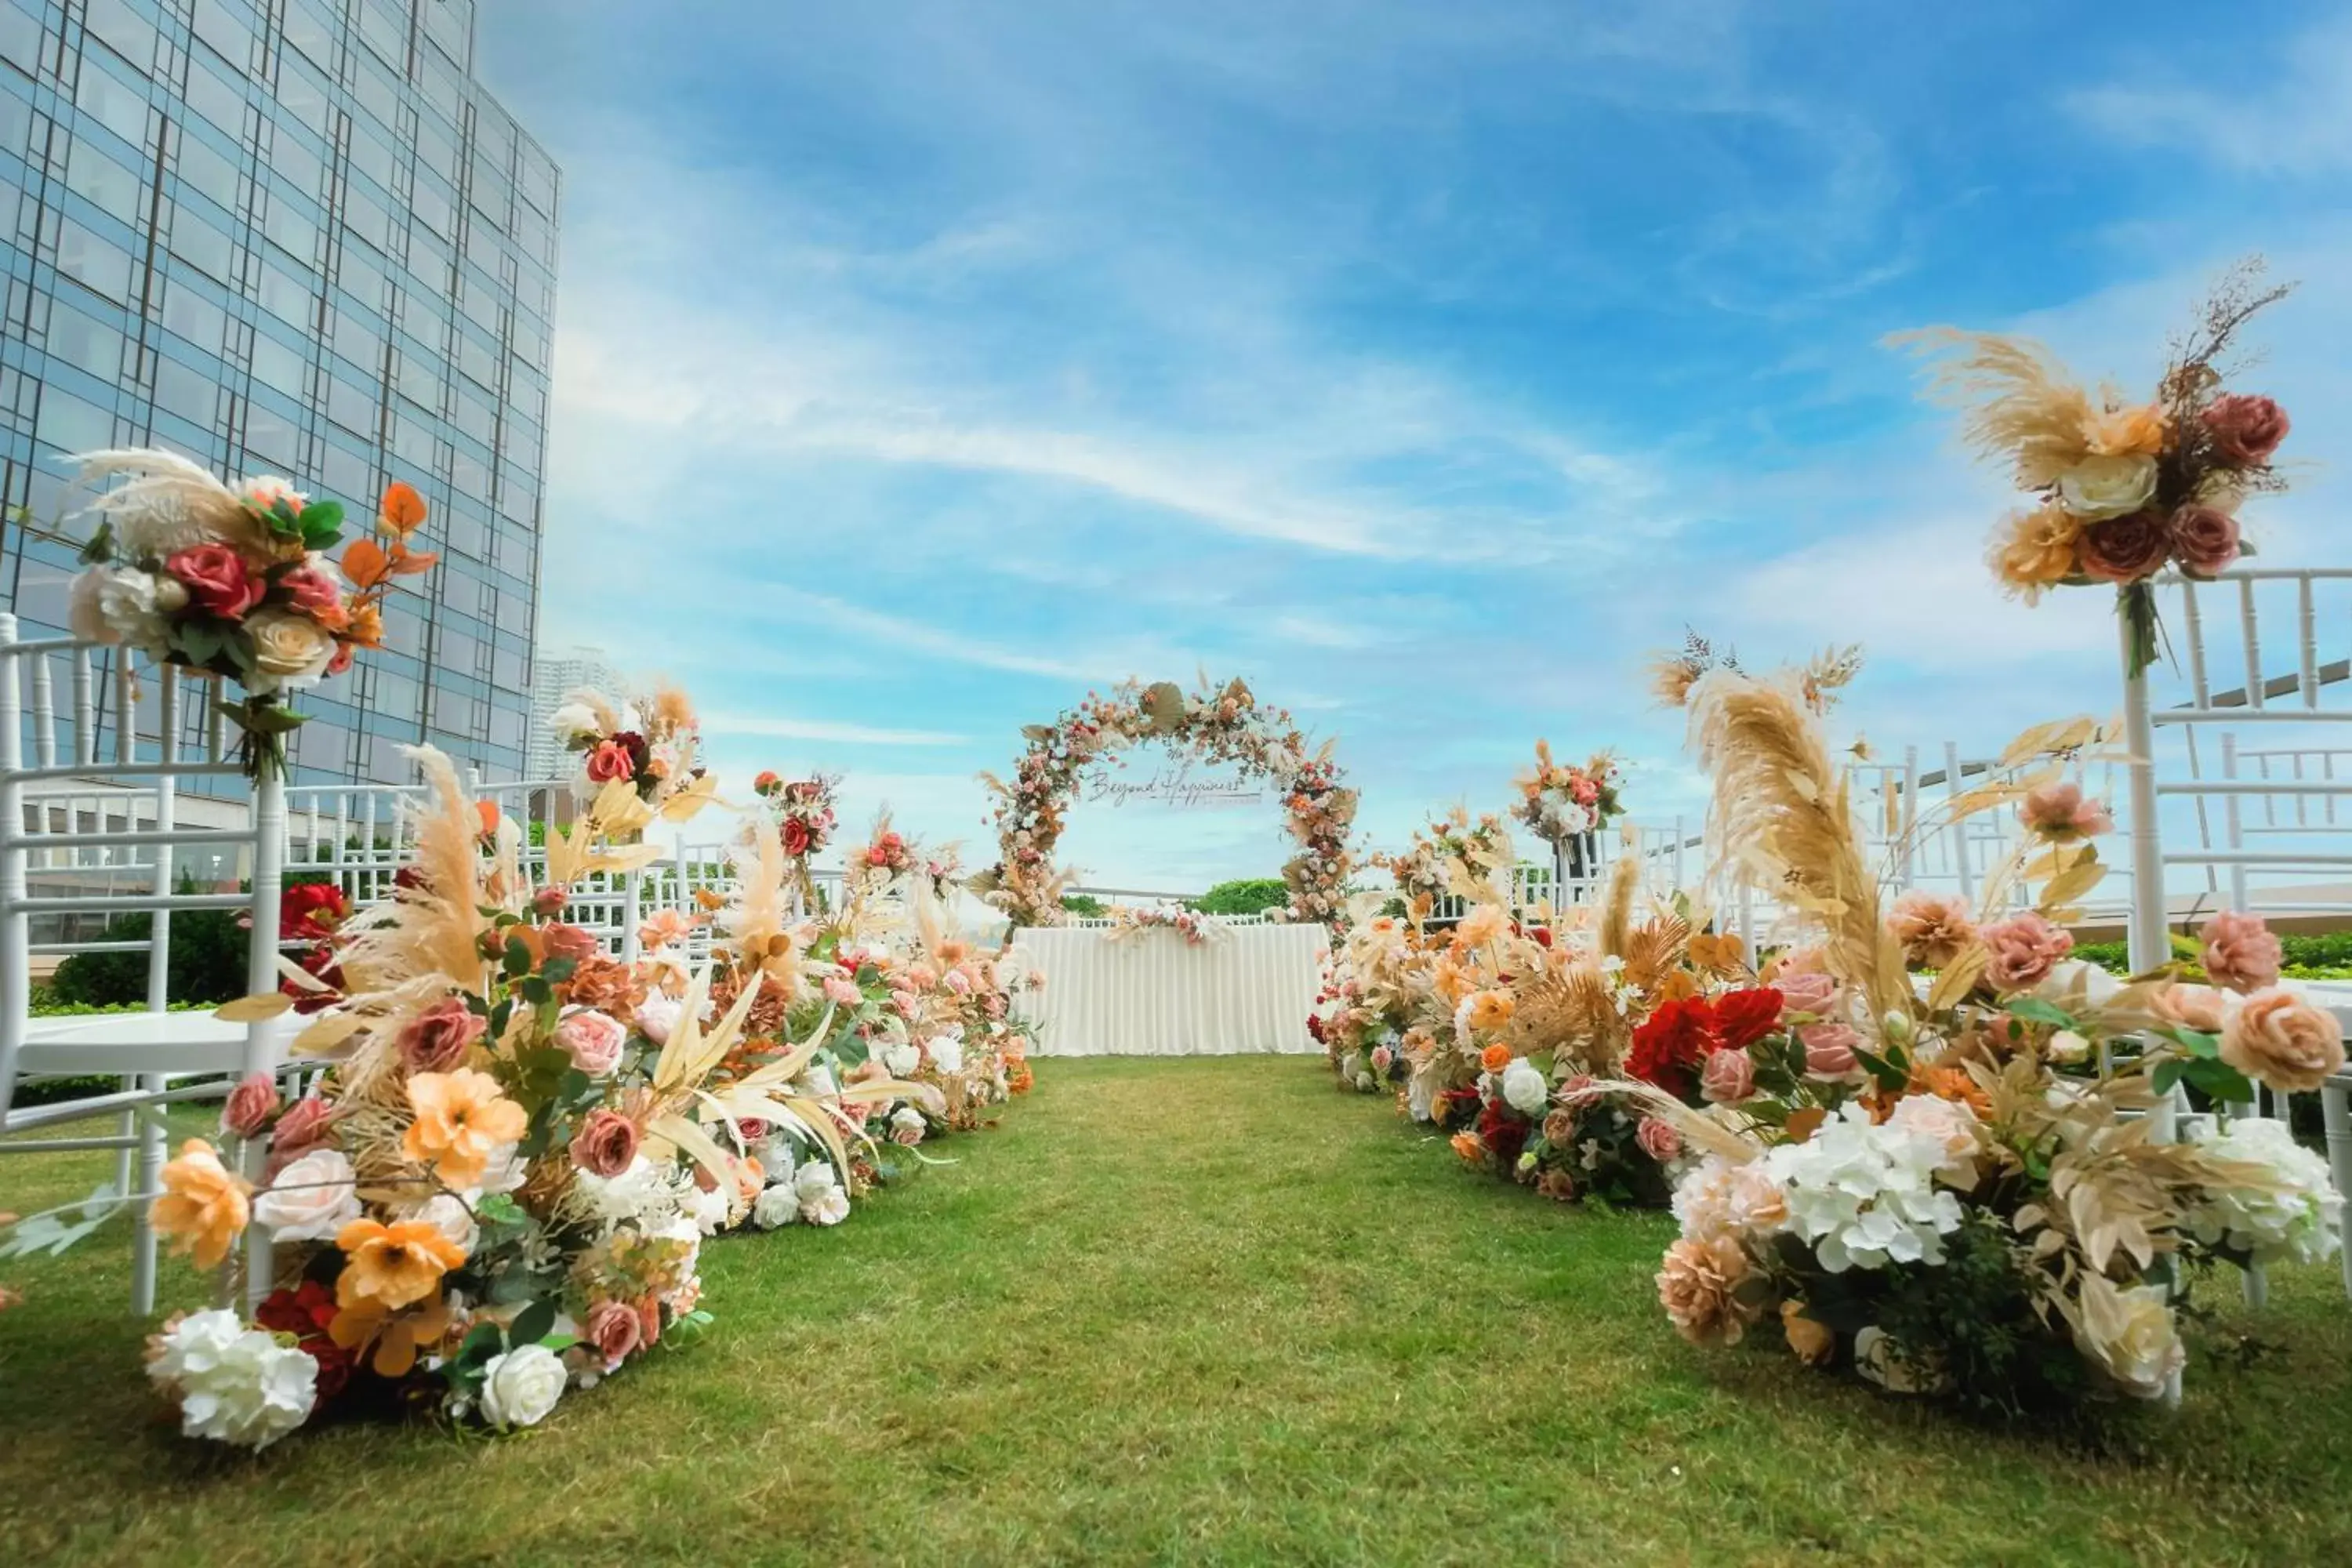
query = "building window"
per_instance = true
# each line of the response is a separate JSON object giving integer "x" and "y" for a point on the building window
{"x": 95, "y": 263}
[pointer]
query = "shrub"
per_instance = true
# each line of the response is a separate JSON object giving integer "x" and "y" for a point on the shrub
{"x": 1249, "y": 896}
{"x": 2309, "y": 957}
{"x": 1086, "y": 906}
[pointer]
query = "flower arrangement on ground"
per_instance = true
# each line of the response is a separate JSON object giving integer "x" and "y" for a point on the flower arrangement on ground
{"x": 237, "y": 582}
{"x": 2123, "y": 489}
{"x": 1225, "y": 724}
{"x": 1970, "y": 1186}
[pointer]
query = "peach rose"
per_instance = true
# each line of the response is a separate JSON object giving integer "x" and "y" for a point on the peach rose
{"x": 593, "y": 1040}
{"x": 616, "y": 1331}
{"x": 2240, "y": 954}
{"x": 2200, "y": 1008}
{"x": 560, "y": 940}
{"x": 611, "y": 761}
{"x": 1699, "y": 1287}
{"x": 250, "y": 1105}
{"x": 2278, "y": 1038}
{"x": 1658, "y": 1138}
{"x": 1829, "y": 1049}
{"x": 1730, "y": 1078}
{"x": 2060, "y": 811}
{"x": 1809, "y": 992}
{"x": 2021, "y": 951}
{"x": 605, "y": 1143}
{"x": 2245, "y": 429}
{"x": 439, "y": 1039}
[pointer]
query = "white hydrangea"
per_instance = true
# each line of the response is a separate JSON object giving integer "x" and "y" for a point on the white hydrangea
{"x": 900, "y": 1058}
{"x": 2297, "y": 1216}
{"x": 828, "y": 1207}
{"x": 236, "y": 1384}
{"x": 776, "y": 1205}
{"x": 646, "y": 1196}
{"x": 1865, "y": 1195}
{"x": 947, "y": 1050}
{"x": 1525, "y": 1087}
{"x": 709, "y": 1210}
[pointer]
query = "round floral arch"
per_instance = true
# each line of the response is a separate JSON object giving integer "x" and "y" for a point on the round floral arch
{"x": 1221, "y": 724}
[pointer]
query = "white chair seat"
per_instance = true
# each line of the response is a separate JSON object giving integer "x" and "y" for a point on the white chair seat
{"x": 119, "y": 1044}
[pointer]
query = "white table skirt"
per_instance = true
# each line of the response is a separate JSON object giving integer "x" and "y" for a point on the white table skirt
{"x": 1150, "y": 994}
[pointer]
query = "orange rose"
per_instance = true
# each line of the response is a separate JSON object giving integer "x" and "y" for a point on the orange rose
{"x": 2278, "y": 1038}
{"x": 1495, "y": 1059}
{"x": 203, "y": 1208}
{"x": 1491, "y": 1009}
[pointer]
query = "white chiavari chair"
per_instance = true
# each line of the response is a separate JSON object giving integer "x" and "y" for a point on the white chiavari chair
{"x": 59, "y": 860}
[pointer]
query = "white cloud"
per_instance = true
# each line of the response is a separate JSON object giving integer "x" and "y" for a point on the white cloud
{"x": 2301, "y": 126}
{"x": 823, "y": 730}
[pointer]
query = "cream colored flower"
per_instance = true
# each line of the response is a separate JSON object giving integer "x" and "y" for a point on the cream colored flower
{"x": 288, "y": 647}
{"x": 2129, "y": 1334}
{"x": 2105, "y": 487}
{"x": 1701, "y": 1288}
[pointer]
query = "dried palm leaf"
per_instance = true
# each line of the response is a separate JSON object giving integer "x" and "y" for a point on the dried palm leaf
{"x": 2021, "y": 408}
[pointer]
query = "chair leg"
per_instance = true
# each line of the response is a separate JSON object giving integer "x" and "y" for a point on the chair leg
{"x": 125, "y": 1158}
{"x": 150, "y": 1165}
{"x": 2335, "y": 1106}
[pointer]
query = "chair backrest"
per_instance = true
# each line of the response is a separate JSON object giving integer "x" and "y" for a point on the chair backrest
{"x": 2247, "y": 776}
{"x": 85, "y": 837}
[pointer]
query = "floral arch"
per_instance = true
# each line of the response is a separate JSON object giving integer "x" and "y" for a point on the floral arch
{"x": 1221, "y": 724}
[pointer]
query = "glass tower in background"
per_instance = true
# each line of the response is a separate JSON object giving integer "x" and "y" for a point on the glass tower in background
{"x": 297, "y": 237}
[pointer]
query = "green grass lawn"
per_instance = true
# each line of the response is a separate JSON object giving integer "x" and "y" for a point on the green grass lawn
{"x": 1181, "y": 1311}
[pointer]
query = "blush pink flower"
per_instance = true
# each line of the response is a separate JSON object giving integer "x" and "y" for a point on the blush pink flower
{"x": 593, "y": 1040}
{"x": 1931, "y": 927}
{"x": 1728, "y": 1078}
{"x": 2201, "y": 1007}
{"x": 301, "y": 1128}
{"x": 2205, "y": 540}
{"x": 616, "y": 1331}
{"x": 1829, "y": 1049}
{"x": 2278, "y": 1038}
{"x": 439, "y": 1039}
{"x": 2241, "y": 954}
{"x": 1810, "y": 993}
{"x": 314, "y": 589}
{"x": 610, "y": 761}
{"x": 250, "y": 1105}
{"x": 2245, "y": 429}
{"x": 2020, "y": 952}
{"x": 842, "y": 992}
{"x": 1658, "y": 1139}
{"x": 2062, "y": 812}
{"x": 605, "y": 1143}
{"x": 561, "y": 940}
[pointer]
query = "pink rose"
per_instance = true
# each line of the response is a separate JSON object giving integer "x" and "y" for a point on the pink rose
{"x": 250, "y": 1105}
{"x": 958, "y": 982}
{"x": 1584, "y": 792}
{"x": 906, "y": 1136}
{"x": 2201, "y": 1007}
{"x": 2245, "y": 429}
{"x": 610, "y": 761}
{"x": 616, "y": 1331}
{"x": 2240, "y": 954}
{"x": 216, "y": 579}
{"x": 593, "y": 1040}
{"x": 1829, "y": 1049}
{"x": 2020, "y": 952}
{"x": 842, "y": 992}
{"x": 575, "y": 943}
{"x": 303, "y": 1129}
{"x": 1729, "y": 1078}
{"x": 2059, "y": 810}
{"x": 1658, "y": 1139}
{"x": 1810, "y": 993}
{"x": 605, "y": 1143}
{"x": 438, "y": 1040}
{"x": 750, "y": 1127}
{"x": 312, "y": 588}
{"x": 2278, "y": 1038}
{"x": 2204, "y": 539}
{"x": 2126, "y": 548}
{"x": 1382, "y": 1058}
{"x": 548, "y": 902}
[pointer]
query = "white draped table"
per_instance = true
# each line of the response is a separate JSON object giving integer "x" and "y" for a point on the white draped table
{"x": 1150, "y": 994}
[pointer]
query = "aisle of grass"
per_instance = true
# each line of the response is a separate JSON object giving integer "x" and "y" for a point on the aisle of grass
{"x": 1180, "y": 1311}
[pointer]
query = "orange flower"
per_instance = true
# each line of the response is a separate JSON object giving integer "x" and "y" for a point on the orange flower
{"x": 391, "y": 1265}
{"x": 1491, "y": 1009}
{"x": 2034, "y": 551}
{"x": 203, "y": 1206}
{"x": 367, "y": 625}
{"x": 1679, "y": 986}
{"x": 1951, "y": 1083}
{"x": 1468, "y": 1146}
{"x": 397, "y": 1336}
{"x": 461, "y": 1117}
{"x": 2127, "y": 432}
{"x": 1495, "y": 1059}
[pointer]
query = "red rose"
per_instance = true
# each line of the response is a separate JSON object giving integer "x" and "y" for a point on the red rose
{"x": 1744, "y": 1018}
{"x": 796, "y": 837}
{"x": 1670, "y": 1045}
{"x": 765, "y": 783}
{"x": 610, "y": 761}
{"x": 2246, "y": 430}
{"x": 309, "y": 912}
{"x": 2204, "y": 539}
{"x": 216, "y": 580}
{"x": 1504, "y": 1131}
{"x": 2126, "y": 548}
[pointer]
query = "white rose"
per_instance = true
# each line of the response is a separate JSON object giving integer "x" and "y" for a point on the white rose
{"x": 813, "y": 1178}
{"x": 778, "y": 1205}
{"x": 288, "y": 647}
{"x": 907, "y": 1118}
{"x": 2068, "y": 1048}
{"x": 829, "y": 1207}
{"x": 657, "y": 1014}
{"x": 311, "y": 1199}
{"x": 2129, "y": 1334}
{"x": 266, "y": 491}
{"x": 521, "y": 1385}
{"x": 1525, "y": 1087}
{"x": 707, "y": 1210}
{"x": 446, "y": 1213}
{"x": 2099, "y": 487}
{"x": 573, "y": 718}
{"x": 900, "y": 1058}
{"x": 947, "y": 1052}
{"x": 776, "y": 1156}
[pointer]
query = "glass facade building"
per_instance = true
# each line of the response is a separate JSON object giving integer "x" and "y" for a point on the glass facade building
{"x": 297, "y": 237}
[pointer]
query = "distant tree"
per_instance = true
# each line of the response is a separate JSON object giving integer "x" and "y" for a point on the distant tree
{"x": 1086, "y": 906}
{"x": 1249, "y": 896}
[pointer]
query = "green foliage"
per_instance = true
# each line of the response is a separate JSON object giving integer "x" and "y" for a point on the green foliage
{"x": 1249, "y": 896}
{"x": 1086, "y": 906}
{"x": 2325, "y": 956}
{"x": 208, "y": 962}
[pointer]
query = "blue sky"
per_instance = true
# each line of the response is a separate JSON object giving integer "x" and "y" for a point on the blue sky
{"x": 920, "y": 365}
